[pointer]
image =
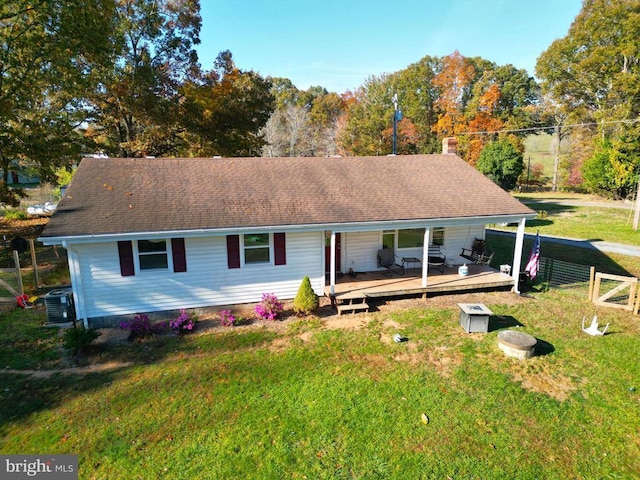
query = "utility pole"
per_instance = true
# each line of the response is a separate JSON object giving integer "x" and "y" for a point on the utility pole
{"x": 395, "y": 120}
{"x": 556, "y": 163}
{"x": 397, "y": 116}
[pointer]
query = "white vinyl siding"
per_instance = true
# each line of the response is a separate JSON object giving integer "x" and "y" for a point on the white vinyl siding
{"x": 457, "y": 238}
{"x": 360, "y": 249}
{"x": 207, "y": 282}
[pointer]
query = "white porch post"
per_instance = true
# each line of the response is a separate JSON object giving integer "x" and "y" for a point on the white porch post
{"x": 332, "y": 269}
{"x": 425, "y": 257}
{"x": 517, "y": 254}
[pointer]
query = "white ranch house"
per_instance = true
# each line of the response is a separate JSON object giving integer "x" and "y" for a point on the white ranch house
{"x": 160, "y": 234}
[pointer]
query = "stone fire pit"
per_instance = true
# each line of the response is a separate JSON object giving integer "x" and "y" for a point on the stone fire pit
{"x": 516, "y": 344}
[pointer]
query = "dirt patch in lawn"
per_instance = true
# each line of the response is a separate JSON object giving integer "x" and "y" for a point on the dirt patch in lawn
{"x": 91, "y": 368}
{"x": 538, "y": 380}
{"x": 442, "y": 359}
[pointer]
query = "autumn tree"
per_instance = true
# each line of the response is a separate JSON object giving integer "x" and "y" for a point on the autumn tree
{"x": 223, "y": 112}
{"x": 367, "y": 128}
{"x": 483, "y": 122}
{"x": 284, "y": 92}
{"x": 407, "y": 137}
{"x": 136, "y": 101}
{"x": 518, "y": 93}
{"x": 594, "y": 73}
{"x": 288, "y": 133}
{"x": 612, "y": 171}
{"x": 454, "y": 83}
{"x": 304, "y": 122}
{"x": 416, "y": 96}
{"x": 46, "y": 63}
{"x": 439, "y": 97}
{"x": 369, "y": 113}
{"x": 324, "y": 113}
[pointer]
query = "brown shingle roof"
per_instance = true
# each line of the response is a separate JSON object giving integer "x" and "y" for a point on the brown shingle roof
{"x": 124, "y": 195}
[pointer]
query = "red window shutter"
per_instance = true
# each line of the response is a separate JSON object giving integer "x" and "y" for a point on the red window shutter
{"x": 279, "y": 249}
{"x": 233, "y": 251}
{"x": 179, "y": 255}
{"x": 125, "y": 251}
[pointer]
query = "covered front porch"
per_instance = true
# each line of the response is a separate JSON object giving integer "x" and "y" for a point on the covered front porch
{"x": 356, "y": 248}
{"x": 376, "y": 284}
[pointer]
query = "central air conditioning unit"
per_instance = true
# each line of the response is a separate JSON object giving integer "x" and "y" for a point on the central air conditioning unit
{"x": 59, "y": 306}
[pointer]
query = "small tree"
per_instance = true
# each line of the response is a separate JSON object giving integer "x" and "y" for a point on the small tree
{"x": 502, "y": 163}
{"x": 306, "y": 300}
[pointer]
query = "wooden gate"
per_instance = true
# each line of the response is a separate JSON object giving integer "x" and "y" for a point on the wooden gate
{"x": 611, "y": 297}
{"x": 5, "y": 286}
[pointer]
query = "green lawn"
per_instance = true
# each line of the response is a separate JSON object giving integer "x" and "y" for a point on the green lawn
{"x": 587, "y": 223}
{"x": 304, "y": 401}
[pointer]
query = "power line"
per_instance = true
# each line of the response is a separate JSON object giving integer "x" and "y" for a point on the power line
{"x": 551, "y": 127}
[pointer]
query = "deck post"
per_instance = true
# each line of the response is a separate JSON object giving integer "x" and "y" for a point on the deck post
{"x": 517, "y": 254}
{"x": 425, "y": 257}
{"x": 332, "y": 269}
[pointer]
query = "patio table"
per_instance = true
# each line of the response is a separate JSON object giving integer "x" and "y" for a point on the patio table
{"x": 415, "y": 261}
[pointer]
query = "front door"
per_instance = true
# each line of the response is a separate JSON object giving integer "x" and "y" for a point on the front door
{"x": 327, "y": 253}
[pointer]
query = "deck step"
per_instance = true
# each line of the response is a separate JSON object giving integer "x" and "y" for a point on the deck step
{"x": 353, "y": 306}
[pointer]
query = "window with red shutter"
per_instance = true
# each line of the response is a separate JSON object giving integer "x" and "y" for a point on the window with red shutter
{"x": 279, "y": 249}
{"x": 125, "y": 252}
{"x": 233, "y": 251}
{"x": 179, "y": 254}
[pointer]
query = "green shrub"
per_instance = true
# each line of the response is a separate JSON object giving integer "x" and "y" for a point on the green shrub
{"x": 14, "y": 214}
{"x": 306, "y": 300}
{"x": 502, "y": 163}
{"x": 79, "y": 338}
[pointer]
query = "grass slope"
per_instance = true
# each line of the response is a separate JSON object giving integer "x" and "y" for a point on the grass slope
{"x": 306, "y": 401}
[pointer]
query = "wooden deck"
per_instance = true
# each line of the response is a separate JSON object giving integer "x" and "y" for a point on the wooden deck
{"x": 375, "y": 284}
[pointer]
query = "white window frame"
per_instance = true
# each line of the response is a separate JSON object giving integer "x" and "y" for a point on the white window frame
{"x": 243, "y": 249}
{"x": 396, "y": 237}
{"x": 433, "y": 236}
{"x": 408, "y": 248}
{"x": 137, "y": 254}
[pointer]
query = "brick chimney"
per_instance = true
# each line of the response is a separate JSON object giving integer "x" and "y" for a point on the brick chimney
{"x": 449, "y": 146}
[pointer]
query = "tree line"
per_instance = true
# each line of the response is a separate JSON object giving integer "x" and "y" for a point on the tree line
{"x": 122, "y": 77}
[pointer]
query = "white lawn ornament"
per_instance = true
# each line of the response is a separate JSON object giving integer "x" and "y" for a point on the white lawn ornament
{"x": 593, "y": 328}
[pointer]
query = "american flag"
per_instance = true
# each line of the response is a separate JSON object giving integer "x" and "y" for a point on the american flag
{"x": 534, "y": 258}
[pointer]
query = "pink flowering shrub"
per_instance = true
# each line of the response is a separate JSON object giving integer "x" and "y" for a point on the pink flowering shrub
{"x": 139, "y": 326}
{"x": 227, "y": 319}
{"x": 184, "y": 323}
{"x": 269, "y": 307}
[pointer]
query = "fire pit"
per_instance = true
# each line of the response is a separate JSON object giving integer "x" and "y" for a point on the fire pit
{"x": 474, "y": 317}
{"x": 516, "y": 344}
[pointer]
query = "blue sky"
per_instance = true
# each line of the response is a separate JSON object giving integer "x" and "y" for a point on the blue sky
{"x": 338, "y": 44}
